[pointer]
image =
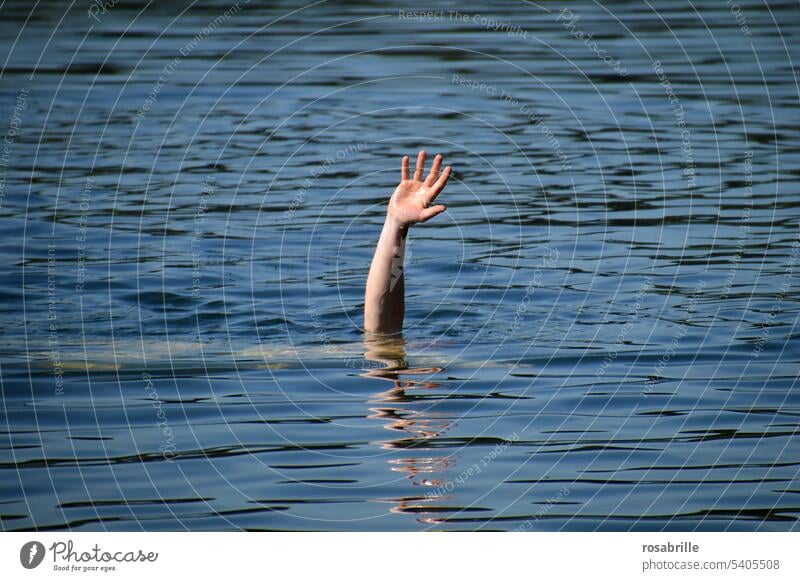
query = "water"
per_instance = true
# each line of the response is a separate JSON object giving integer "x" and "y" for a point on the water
{"x": 601, "y": 333}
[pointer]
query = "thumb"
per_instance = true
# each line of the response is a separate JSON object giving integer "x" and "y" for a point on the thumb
{"x": 429, "y": 213}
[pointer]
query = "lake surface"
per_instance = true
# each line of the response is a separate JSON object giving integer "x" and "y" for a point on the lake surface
{"x": 601, "y": 331}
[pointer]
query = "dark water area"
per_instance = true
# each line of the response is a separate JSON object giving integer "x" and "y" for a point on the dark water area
{"x": 601, "y": 331}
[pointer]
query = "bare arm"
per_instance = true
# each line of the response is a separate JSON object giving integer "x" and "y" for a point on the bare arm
{"x": 384, "y": 305}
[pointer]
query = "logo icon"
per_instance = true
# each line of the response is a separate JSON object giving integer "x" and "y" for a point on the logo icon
{"x": 31, "y": 554}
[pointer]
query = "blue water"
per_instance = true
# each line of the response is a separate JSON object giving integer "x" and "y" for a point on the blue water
{"x": 601, "y": 331}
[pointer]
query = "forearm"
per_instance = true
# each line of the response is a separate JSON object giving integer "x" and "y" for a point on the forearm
{"x": 384, "y": 305}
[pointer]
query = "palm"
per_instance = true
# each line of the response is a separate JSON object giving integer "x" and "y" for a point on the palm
{"x": 412, "y": 200}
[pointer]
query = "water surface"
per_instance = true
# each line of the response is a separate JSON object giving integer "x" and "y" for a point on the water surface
{"x": 601, "y": 331}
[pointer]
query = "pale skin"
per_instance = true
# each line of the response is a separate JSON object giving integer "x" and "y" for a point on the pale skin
{"x": 411, "y": 203}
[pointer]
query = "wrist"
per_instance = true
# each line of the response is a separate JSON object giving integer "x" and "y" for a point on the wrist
{"x": 393, "y": 225}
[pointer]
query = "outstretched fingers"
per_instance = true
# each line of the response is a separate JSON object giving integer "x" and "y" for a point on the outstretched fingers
{"x": 404, "y": 168}
{"x": 437, "y": 164}
{"x": 420, "y": 168}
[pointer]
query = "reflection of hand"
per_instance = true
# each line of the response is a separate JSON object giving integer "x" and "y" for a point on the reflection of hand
{"x": 411, "y": 201}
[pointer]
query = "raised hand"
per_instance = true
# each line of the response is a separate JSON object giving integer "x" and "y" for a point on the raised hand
{"x": 411, "y": 203}
{"x": 412, "y": 200}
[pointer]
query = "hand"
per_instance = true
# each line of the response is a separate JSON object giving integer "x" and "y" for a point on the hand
{"x": 411, "y": 201}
